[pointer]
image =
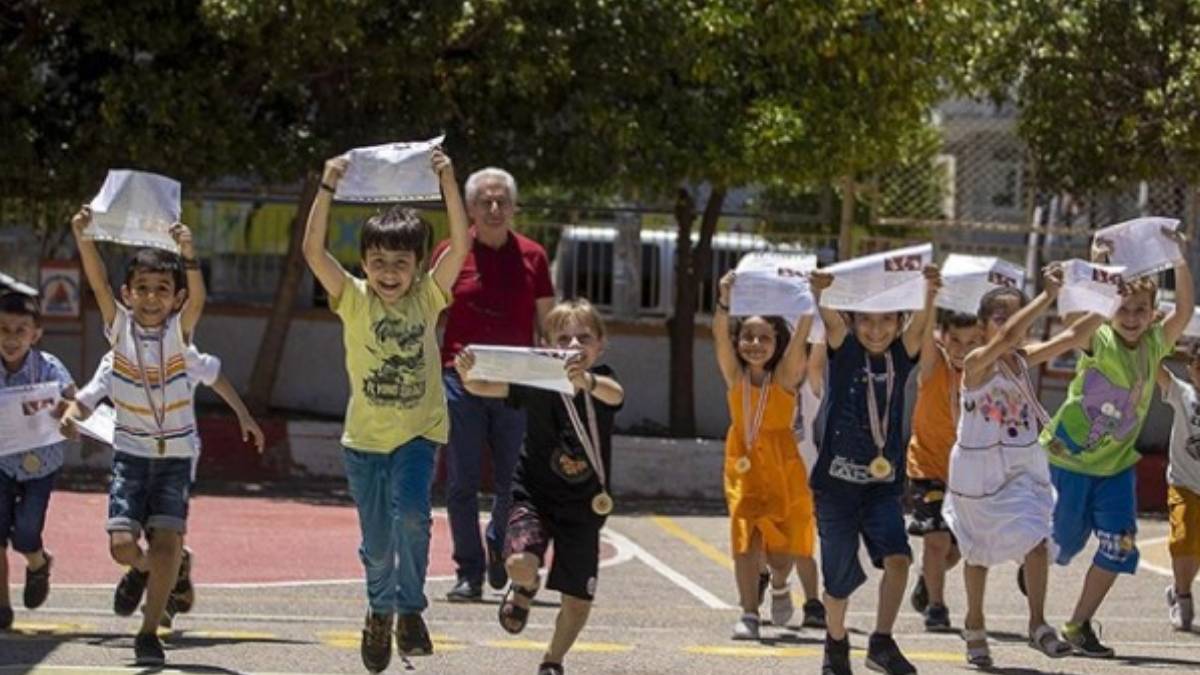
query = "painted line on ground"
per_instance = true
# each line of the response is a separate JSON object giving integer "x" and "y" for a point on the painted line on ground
{"x": 699, "y": 592}
{"x": 1151, "y": 567}
{"x": 706, "y": 549}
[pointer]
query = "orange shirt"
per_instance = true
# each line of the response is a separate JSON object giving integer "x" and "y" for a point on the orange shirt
{"x": 934, "y": 428}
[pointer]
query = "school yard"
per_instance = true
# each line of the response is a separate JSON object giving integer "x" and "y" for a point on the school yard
{"x": 280, "y": 592}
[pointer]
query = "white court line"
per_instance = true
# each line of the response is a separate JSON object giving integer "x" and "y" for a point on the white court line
{"x": 1151, "y": 567}
{"x": 699, "y": 592}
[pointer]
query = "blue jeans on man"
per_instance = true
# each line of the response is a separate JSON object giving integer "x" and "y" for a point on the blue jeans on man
{"x": 475, "y": 421}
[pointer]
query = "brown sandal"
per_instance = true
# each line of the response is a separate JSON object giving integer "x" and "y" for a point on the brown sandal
{"x": 512, "y": 616}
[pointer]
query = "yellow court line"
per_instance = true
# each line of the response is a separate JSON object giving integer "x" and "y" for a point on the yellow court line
{"x": 706, "y": 549}
{"x": 229, "y": 635}
{"x": 31, "y": 628}
{"x": 534, "y": 645}
{"x": 351, "y": 640}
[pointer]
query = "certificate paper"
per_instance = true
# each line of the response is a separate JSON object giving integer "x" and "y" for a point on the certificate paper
{"x": 26, "y": 421}
{"x": 1088, "y": 287}
{"x": 541, "y": 368}
{"x": 393, "y": 172}
{"x": 967, "y": 278}
{"x": 101, "y": 425}
{"x": 1140, "y": 246}
{"x": 884, "y": 282}
{"x": 136, "y": 208}
{"x": 768, "y": 284}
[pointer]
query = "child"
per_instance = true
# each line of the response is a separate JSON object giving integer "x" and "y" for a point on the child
{"x": 1091, "y": 440}
{"x": 1183, "y": 487}
{"x": 564, "y": 470}
{"x": 859, "y": 476}
{"x": 934, "y": 421}
{"x": 1000, "y": 499}
{"x": 396, "y": 416}
{"x": 155, "y": 426}
{"x": 27, "y": 478}
{"x": 770, "y": 505}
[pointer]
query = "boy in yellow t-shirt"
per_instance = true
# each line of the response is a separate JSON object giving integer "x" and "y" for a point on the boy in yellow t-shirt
{"x": 396, "y": 416}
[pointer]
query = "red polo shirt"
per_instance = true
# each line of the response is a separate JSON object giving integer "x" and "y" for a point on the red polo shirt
{"x": 495, "y": 294}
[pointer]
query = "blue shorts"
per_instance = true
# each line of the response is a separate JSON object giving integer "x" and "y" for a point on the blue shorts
{"x": 23, "y": 505}
{"x": 148, "y": 494}
{"x": 1106, "y": 505}
{"x": 872, "y": 512}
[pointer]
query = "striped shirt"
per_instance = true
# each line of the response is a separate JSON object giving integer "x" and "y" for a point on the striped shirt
{"x": 38, "y": 367}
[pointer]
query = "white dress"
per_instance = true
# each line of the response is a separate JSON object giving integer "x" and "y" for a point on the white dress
{"x": 1000, "y": 501}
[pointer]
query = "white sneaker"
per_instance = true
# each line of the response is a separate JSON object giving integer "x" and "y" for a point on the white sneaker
{"x": 746, "y": 628}
{"x": 782, "y": 607}
{"x": 1180, "y": 609}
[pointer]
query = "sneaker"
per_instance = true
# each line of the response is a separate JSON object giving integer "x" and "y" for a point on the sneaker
{"x": 814, "y": 614}
{"x": 1085, "y": 641}
{"x": 6, "y": 618}
{"x": 184, "y": 593}
{"x": 1180, "y": 608}
{"x": 837, "y": 657}
{"x": 883, "y": 656}
{"x": 465, "y": 591}
{"x": 746, "y": 628}
{"x": 919, "y": 598}
{"x": 376, "y": 646}
{"x": 148, "y": 650}
{"x": 937, "y": 618}
{"x": 497, "y": 573}
{"x": 782, "y": 607}
{"x": 764, "y": 582}
{"x": 412, "y": 637}
{"x": 129, "y": 592}
{"x": 37, "y": 583}
{"x": 1021, "y": 581}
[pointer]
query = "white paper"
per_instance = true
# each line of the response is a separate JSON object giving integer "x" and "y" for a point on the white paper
{"x": 891, "y": 281}
{"x": 393, "y": 172}
{"x": 1088, "y": 287}
{"x": 541, "y": 368}
{"x": 772, "y": 284}
{"x": 8, "y": 283}
{"x": 26, "y": 421}
{"x": 1192, "y": 330}
{"x": 966, "y": 278}
{"x": 1140, "y": 246}
{"x": 102, "y": 424}
{"x": 136, "y": 208}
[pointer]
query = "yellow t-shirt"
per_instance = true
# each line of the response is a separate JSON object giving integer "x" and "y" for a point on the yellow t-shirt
{"x": 393, "y": 362}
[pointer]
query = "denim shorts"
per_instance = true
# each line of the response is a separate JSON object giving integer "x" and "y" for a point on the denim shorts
{"x": 148, "y": 493}
{"x": 871, "y": 514}
{"x": 23, "y": 507}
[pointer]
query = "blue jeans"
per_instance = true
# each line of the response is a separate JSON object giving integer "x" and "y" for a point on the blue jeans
{"x": 473, "y": 422}
{"x": 23, "y": 507}
{"x": 391, "y": 491}
{"x": 148, "y": 493}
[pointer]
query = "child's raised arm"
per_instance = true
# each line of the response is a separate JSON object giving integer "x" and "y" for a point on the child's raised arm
{"x": 723, "y": 345}
{"x": 325, "y": 267}
{"x": 978, "y": 363}
{"x": 789, "y": 373}
{"x": 930, "y": 352}
{"x": 446, "y": 269}
{"x": 835, "y": 326}
{"x": 250, "y": 428}
{"x": 1185, "y": 301}
{"x": 914, "y": 333}
{"x": 93, "y": 266}
{"x": 197, "y": 295}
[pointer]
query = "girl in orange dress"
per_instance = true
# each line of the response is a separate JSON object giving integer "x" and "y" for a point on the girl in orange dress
{"x": 766, "y": 485}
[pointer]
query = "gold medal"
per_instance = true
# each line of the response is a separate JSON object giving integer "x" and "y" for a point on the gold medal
{"x": 602, "y": 504}
{"x": 742, "y": 465}
{"x": 880, "y": 468}
{"x": 31, "y": 462}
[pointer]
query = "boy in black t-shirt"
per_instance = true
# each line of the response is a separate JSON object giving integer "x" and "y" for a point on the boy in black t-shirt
{"x": 560, "y": 487}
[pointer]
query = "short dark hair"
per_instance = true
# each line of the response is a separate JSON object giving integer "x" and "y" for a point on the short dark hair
{"x": 783, "y": 335}
{"x": 990, "y": 301}
{"x": 13, "y": 302}
{"x": 398, "y": 229}
{"x": 950, "y": 319}
{"x": 155, "y": 261}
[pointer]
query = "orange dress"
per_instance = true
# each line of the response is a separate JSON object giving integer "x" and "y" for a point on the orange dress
{"x": 771, "y": 498}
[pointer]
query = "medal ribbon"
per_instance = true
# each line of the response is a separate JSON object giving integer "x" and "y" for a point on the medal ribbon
{"x": 879, "y": 423}
{"x": 589, "y": 438}
{"x": 160, "y": 414}
{"x": 1026, "y": 388}
{"x": 751, "y": 429}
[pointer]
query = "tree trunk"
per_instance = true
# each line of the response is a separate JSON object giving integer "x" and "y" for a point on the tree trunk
{"x": 691, "y": 263}
{"x": 270, "y": 349}
{"x": 847, "y": 222}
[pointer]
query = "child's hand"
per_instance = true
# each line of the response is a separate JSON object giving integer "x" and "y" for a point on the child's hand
{"x": 1052, "y": 278}
{"x": 463, "y": 363}
{"x": 819, "y": 281}
{"x": 66, "y": 424}
{"x": 442, "y": 166}
{"x": 577, "y": 374}
{"x": 182, "y": 235}
{"x": 334, "y": 170}
{"x": 933, "y": 280}
{"x": 1178, "y": 237}
{"x": 725, "y": 287}
{"x": 1102, "y": 250}
{"x": 250, "y": 429}
{"x": 81, "y": 220}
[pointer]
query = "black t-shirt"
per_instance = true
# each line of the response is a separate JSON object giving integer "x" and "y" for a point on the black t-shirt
{"x": 554, "y": 469}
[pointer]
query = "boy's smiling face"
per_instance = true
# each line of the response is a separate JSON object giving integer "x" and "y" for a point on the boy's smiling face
{"x": 876, "y": 330}
{"x": 577, "y": 334}
{"x": 18, "y": 334}
{"x": 390, "y": 273}
{"x": 1134, "y": 316}
{"x": 152, "y": 297}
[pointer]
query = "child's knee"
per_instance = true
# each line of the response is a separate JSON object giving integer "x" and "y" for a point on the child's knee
{"x": 938, "y": 543}
{"x": 896, "y": 564}
{"x": 123, "y": 548}
{"x": 574, "y": 606}
{"x": 165, "y": 542}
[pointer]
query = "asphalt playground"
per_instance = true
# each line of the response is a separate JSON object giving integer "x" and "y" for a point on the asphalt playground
{"x": 280, "y": 591}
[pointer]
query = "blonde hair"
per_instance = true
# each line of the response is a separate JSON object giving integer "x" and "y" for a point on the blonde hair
{"x": 1142, "y": 285}
{"x": 575, "y": 309}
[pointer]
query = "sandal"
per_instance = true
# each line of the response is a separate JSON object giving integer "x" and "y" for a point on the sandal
{"x": 512, "y": 616}
{"x": 979, "y": 656}
{"x": 1045, "y": 639}
{"x": 548, "y": 668}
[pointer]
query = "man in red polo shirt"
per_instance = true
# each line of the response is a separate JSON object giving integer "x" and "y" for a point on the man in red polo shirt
{"x": 500, "y": 297}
